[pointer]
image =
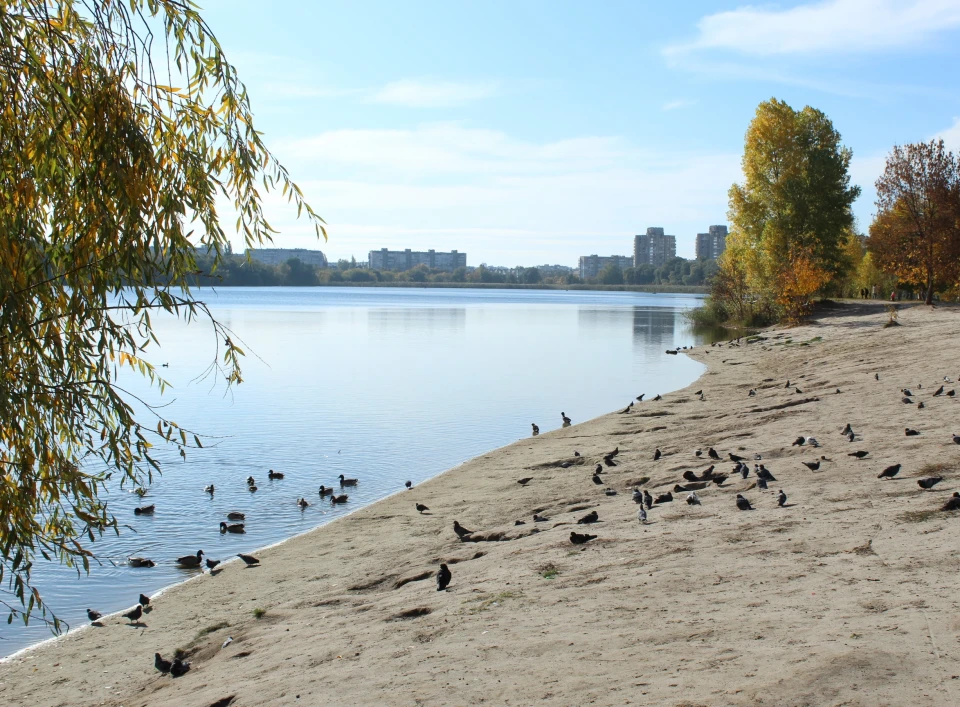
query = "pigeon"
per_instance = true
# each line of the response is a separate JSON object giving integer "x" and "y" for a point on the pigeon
{"x": 647, "y": 499}
{"x": 179, "y": 668}
{"x": 743, "y": 504}
{"x": 664, "y": 498}
{"x": 938, "y": 391}
{"x": 930, "y": 482}
{"x": 847, "y": 430}
{"x": 906, "y": 401}
{"x": 876, "y": 376}
{"x": 910, "y": 433}
{"x": 708, "y": 472}
{"x": 699, "y": 392}
{"x": 249, "y": 560}
{"x": 812, "y": 441}
{"x": 347, "y": 482}
{"x": 160, "y": 664}
{"x": 609, "y": 492}
{"x": 461, "y": 532}
{"x": 781, "y": 498}
{"x": 889, "y": 472}
{"x": 626, "y": 409}
{"x": 525, "y": 480}
{"x": 859, "y": 454}
{"x": 581, "y": 538}
{"x": 734, "y": 457}
{"x": 657, "y": 454}
{"x": 536, "y": 430}
{"x": 953, "y": 503}
{"x": 134, "y": 614}
{"x": 744, "y": 470}
{"x": 591, "y": 517}
{"x": 751, "y": 393}
{"x": 597, "y": 480}
{"x": 566, "y": 420}
{"x": 812, "y": 466}
{"x": 638, "y": 496}
{"x": 797, "y": 390}
{"x": 693, "y": 499}
{"x": 698, "y": 453}
{"x": 956, "y": 439}
{"x": 764, "y": 473}
{"x": 787, "y": 384}
{"x": 690, "y": 475}
{"x": 719, "y": 479}
{"x": 537, "y": 518}
{"x": 907, "y": 392}
{"x": 761, "y": 484}
{"x": 408, "y": 484}
{"x": 443, "y": 577}
{"x": 712, "y": 453}
{"x": 951, "y": 393}
{"x": 212, "y": 564}
{"x": 851, "y": 436}
{"x": 421, "y": 508}
{"x": 920, "y": 405}
{"x": 608, "y": 460}
{"x": 144, "y": 600}
{"x": 576, "y": 453}
{"x": 659, "y": 397}
{"x": 642, "y": 515}
{"x": 614, "y": 453}
{"x": 93, "y": 615}
{"x": 799, "y": 442}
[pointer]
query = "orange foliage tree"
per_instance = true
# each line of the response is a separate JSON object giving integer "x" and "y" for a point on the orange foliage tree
{"x": 797, "y": 281}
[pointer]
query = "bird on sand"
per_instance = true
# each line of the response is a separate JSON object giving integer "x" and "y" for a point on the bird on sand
{"x": 910, "y": 433}
{"x": 712, "y": 453}
{"x": 576, "y": 453}
{"x": 179, "y": 667}
{"x": 719, "y": 479}
{"x": 920, "y": 405}
{"x": 744, "y": 470}
{"x": 956, "y": 439}
{"x": 325, "y": 490}
{"x": 190, "y": 560}
{"x": 647, "y": 499}
{"x": 461, "y": 532}
{"x": 907, "y": 392}
{"x": 858, "y": 454}
{"x": 906, "y": 401}
{"x": 638, "y": 496}
{"x": 693, "y": 499}
{"x": 444, "y": 575}
{"x": 408, "y": 484}
{"x": 525, "y": 480}
{"x": 598, "y": 469}
{"x": 659, "y": 397}
{"x": 144, "y": 600}
{"x": 231, "y": 528}
{"x": 889, "y": 472}
{"x": 640, "y": 397}
{"x": 627, "y": 409}
{"x": 951, "y": 393}
{"x": 876, "y": 376}
{"x": 609, "y": 492}
{"x": 421, "y": 508}
{"x": 734, "y": 457}
{"x": 764, "y": 473}
{"x": 851, "y": 437}
{"x": 799, "y": 442}
{"x": 347, "y": 482}
{"x": 591, "y": 517}
{"x": 160, "y": 664}
{"x": 597, "y": 480}
{"x": 846, "y": 430}
{"x": 761, "y": 484}
{"x": 698, "y": 453}
{"x": 812, "y": 466}
{"x": 581, "y": 538}
{"x": 699, "y": 392}
{"x": 664, "y": 498}
{"x": 134, "y": 614}
{"x": 743, "y": 504}
{"x": 93, "y": 615}
{"x": 249, "y": 560}
{"x": 536, "y": 430}
{"x": 566, "y": 420}
{"x": 212, "y": 564}
{"x": 608, "y": 460}
{"x": 537, "y": 518}
{"x": 657, "y": 454}
{"x": 642, "y": 515}
{"x": 787, "y": 384}
{"x": 342, "y": 498}
{"x": 953, "y": 503}
{"x": 781, "y": 498}
{"x": 929, "y": 482}
{"x": 938, "y": 391}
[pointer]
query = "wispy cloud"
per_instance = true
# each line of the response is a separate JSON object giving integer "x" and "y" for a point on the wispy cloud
{"x": 433, "y": 94}
{"x": 676, "y": 105}
{"x": 831, "y": 27}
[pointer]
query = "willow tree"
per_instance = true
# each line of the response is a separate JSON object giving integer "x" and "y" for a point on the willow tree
{"x": 794, "y": 206}
{"x": 916, "y": 232}
{"x": 122, "y": 126}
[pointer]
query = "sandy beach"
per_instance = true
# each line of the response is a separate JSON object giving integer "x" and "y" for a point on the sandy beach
{"x": 848, "y": 595}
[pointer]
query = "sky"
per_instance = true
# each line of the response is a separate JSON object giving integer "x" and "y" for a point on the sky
{"x": 527, "y": 132}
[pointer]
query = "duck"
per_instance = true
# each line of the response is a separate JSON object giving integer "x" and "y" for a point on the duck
{"x": 93, "y": 615}
{"x": 325, "y": 491}
{"x": 236, "y": 515}
{"x": 566, "y": 420}
{"x": 536, "y": 430}
{"x": 140, "y": 562}
{"x": 212, "y": 564}
{"x": 303, "y": 503}
{"x": 145, "y": 510}
{"x": 190, "y": 560}
{"x": 347, "y": 482}
{"x": 251, "y": 481}
{"x": 209, "y": 489}
{"x": 274, "y": 474}
{"x": 232, "y": 528}
{"x": 342, "y": 498}
{"x": 251, "y": 488}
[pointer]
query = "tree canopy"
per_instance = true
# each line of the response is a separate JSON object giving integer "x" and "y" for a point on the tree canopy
{"x": 793, "y": 208}
{"x": 123, "y": 129}
{"x": 916, "y": 232}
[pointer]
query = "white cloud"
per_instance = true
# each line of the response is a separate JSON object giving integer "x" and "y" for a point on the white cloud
{"x": 433, "y": 94}
{"x": 830, "y": 27}
{"x": 951, "y": 136}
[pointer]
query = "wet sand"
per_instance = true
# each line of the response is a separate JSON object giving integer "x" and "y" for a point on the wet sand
{"x": 848, "y": 595}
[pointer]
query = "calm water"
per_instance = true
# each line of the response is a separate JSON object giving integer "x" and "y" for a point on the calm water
{"x": 381, "y": 384}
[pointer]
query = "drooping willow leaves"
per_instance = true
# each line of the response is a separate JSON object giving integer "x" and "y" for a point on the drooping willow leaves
{"x": 122, "y": 128}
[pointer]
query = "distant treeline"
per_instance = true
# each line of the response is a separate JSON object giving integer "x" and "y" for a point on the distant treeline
{"x": 237, "y": 271}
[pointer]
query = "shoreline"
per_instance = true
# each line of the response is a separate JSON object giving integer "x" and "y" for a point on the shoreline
{"x": 784, "y": 606}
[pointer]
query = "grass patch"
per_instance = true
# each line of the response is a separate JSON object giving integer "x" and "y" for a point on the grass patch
{"x": 918, "y": 516}
{"x": 210, "y": 629}
{"x": 548, "y": 571}
{"x": 491, "y": 602}
{"x": 259, "y": 613}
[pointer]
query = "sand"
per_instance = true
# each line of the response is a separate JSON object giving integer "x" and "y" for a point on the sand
{"x": 847, "y": 596}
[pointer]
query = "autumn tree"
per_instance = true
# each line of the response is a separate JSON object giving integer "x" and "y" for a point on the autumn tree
{"x": 111, "y": 170}
{"x": 796, "y": 198}
{"x": 916, "y": 232}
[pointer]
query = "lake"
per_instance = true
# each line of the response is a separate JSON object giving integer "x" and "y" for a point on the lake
{"x": 380, "y": 384}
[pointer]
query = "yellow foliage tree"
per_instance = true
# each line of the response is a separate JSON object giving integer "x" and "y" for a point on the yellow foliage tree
{"x": 797, "y": 281}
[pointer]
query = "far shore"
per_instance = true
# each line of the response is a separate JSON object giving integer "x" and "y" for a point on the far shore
{"x": 652, "y": 289}
{"x": 844, "y": 595}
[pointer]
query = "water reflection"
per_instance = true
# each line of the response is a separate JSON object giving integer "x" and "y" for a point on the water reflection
{"x": 423, "y": 319}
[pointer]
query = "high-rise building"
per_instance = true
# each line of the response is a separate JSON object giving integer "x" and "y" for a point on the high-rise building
{"x": 592, "y": 265}
{"x": 711, "y": 244}
{"x": 401, "y": 260}
{"x": 278, "y": 256}
{"x": 653, "y": 248}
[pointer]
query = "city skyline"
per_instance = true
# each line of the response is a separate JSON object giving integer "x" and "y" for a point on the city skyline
{"x": 437, "y": 125}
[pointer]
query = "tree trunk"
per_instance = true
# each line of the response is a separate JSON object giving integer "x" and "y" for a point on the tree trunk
{"x": 929, "y": 299}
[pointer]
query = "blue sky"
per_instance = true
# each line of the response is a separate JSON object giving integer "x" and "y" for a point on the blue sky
{"x": 535, "y": 132}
